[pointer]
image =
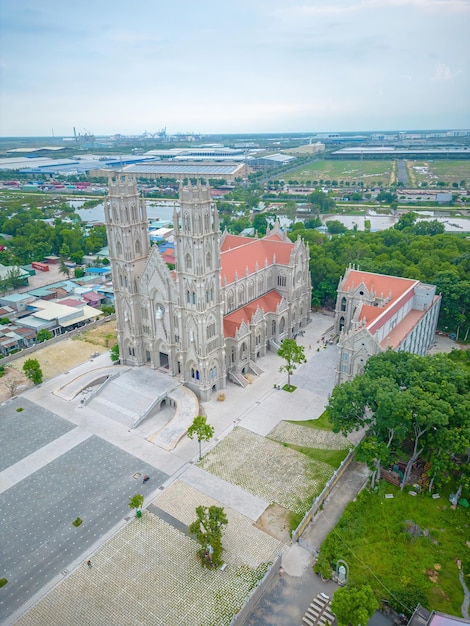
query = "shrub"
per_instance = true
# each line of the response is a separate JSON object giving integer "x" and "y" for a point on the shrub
{"x": 77, "y": 522}
{"x": 33, "y": 371}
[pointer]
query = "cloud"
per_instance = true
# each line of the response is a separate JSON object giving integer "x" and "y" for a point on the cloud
{"x": 443, "y": 72}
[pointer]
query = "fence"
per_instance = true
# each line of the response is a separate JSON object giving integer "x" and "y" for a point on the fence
{"x": 71, "y": 333}
{"x": 257, "y": 592}
{"x": 296, "y": 534}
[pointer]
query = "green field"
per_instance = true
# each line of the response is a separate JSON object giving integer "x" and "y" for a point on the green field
{"x": 405, "y": 547}
{"x": 432, "y": 172}
{"x": 373, "y": 171}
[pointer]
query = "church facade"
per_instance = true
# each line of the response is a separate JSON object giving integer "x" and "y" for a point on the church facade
{"x": 375, "y": 313}
{"x": 228, "y": 301}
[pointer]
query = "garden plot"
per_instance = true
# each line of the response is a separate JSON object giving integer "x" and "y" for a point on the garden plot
{"x": 147, "y": 574}
{"x": 308, "y": 437}
{"x": 267, "y": 469}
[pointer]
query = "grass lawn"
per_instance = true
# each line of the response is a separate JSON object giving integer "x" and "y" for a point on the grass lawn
{"x": 405, "y": 547}
{"x": 432, "y": 171}
{"x": 351, "y": 171}
{"x": 321, "y": 422}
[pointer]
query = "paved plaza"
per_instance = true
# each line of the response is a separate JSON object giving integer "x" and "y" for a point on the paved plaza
{"x": 68, "y": 460}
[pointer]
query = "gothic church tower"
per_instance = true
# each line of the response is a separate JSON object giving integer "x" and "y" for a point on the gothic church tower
{"x": 197, "y": 244}
{"x": 128, "y": 240}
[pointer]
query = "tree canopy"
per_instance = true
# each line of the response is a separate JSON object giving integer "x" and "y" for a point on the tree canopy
{"x": 293, "y": 354}
{"x": 354, "y": 606}
{"x": 412, "y": 406}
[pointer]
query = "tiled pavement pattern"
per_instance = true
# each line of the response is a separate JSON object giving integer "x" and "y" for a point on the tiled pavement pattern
{"x": 39, "y": 425}
{"x": 93, "y": 480}
{"x": 267, "y": 470}
{"x": 180, "y": 500}
{"x": 309, "y": 437}
{"x": 147, "y": 574}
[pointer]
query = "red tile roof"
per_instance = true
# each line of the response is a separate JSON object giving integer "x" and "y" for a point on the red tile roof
{"x": 400, "y": 290}
{"x": 267, "y": 303}
{"x": 239, "y": 253}
{"x": 380, "y": 283}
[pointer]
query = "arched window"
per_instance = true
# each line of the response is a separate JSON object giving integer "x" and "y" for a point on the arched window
{"x": 208, "y": 260}
{"x": 343, "y": 304}
{"x": 188, "y": 262}
{"x": 341, "y": 323}
{"x": 273, "y": 328}
{"x": 138, "y": 248}
{"x": 119, "y": 248}
{"x": 282, "y": 326}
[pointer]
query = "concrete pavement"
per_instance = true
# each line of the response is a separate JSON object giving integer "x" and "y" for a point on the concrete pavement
{"x": 258, "y": 408}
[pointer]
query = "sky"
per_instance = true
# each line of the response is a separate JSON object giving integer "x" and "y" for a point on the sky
{"x": 241, "y": 66}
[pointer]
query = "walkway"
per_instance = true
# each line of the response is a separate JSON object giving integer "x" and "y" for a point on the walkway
{"x": 111, "y": 455}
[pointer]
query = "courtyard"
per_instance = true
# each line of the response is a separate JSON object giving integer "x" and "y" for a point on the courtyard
{"x": 84, "y": 465}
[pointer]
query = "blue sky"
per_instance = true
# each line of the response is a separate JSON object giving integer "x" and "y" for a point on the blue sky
{"x": 232, "y": 67}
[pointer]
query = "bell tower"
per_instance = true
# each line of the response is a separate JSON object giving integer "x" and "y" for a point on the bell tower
{"x": 127, "y": 231}
{"x": 198, "y": 270}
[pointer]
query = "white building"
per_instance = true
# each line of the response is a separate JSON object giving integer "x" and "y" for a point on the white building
{"x": 375, "y": 312}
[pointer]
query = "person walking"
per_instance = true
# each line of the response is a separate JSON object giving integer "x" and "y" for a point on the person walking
{"x": 89, "y": 564}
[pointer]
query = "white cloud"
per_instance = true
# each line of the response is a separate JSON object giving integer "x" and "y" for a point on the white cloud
{"x": 443, "y": 72}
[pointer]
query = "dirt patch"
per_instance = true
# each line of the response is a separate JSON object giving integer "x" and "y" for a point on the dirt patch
{"x": 275, "y": 522}
{"x": 12, "y": 383}
{"x": 60, "y": 357}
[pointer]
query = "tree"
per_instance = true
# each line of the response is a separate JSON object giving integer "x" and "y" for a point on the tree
{"x": 208, "y": 531}
{"x": 354, "y": 606}
{"x": 32, "y": 370}
{"x": 136, "y": 502}
{"x": 43, "y": 335}
{"x": 406, "y": 401}
{"x": 115, "y": 353}
{"x": 12, "y": 385}
{"x": 335, "y": 227}
{"x": 293, "y": 354}
{"x": 290, "y": 209}
{"x": 202, "y": 430}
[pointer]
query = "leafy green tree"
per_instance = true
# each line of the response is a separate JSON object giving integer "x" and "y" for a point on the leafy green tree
{"x": 208, "y": 529}
{"x": 136, "y": 502}
{"x": 335, "y": 227}
{"x": 354, "y": 606}
{"x": 407, "y": 220}
{"x": 79, "y": 272}
{"x": 407, "y": 401}
{"x": 32, "y": 370}
{"x": 293, "y": 354}
{"x": 114, "y": 353}
{"x": 290, "y": 209}
{"x": 201, "y": 430}
{"x": 43, "y": 335}
{"x": 63, "y": 269}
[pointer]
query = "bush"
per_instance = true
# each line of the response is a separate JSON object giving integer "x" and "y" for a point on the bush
{"x": 3, "y": 582}
{"x": 115, "y": 353}
{"x": 32, "y": 370}
{"x": 77, "y": 522}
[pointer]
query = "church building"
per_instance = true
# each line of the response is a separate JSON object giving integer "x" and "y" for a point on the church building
{"x": 375, "y": 312}
{"x": 228, "y": 301}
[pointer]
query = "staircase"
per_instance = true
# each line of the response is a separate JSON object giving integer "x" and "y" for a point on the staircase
{"x": 273, "y": 345}
{"x": 254, "y": 368}
{"x": 318, "y": 613}
{"x": 239, "y": 379}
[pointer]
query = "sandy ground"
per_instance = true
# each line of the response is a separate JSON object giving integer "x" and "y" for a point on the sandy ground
{"x": 59, "y": 357}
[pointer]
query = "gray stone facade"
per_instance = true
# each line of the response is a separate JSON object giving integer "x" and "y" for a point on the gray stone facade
{"x": 204, "y": 321}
